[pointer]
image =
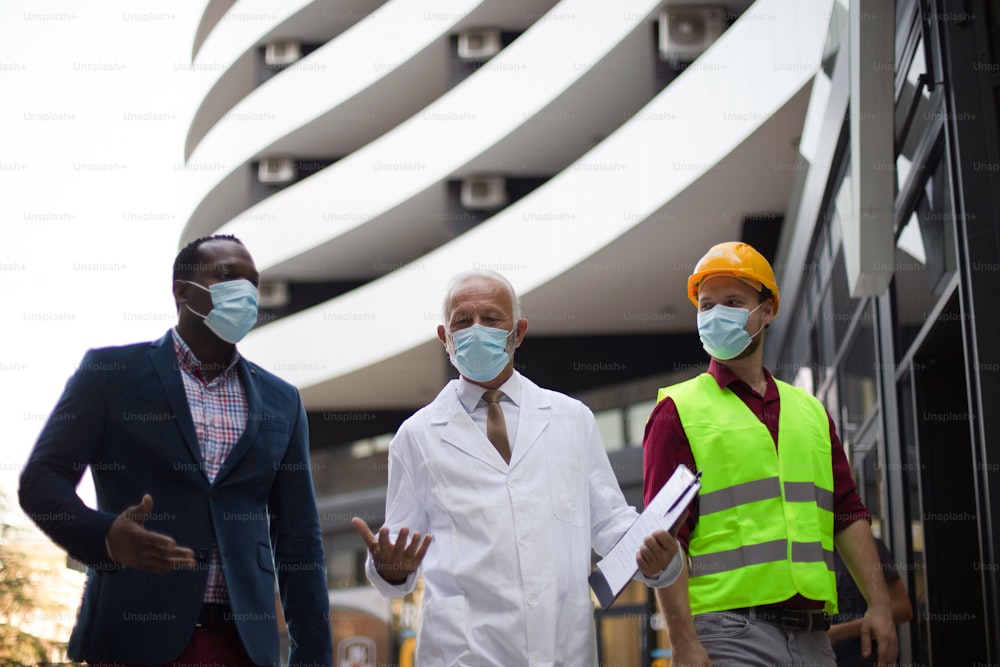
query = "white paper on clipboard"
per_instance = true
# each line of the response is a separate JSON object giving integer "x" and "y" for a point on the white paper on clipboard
{"x": 618, "y": 567}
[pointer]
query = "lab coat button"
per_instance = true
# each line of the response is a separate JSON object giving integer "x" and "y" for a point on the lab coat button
{"x": 532, "y": 601}
{"x": 522, "y": 541}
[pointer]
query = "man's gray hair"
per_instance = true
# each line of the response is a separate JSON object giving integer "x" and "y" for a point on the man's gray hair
{"x": 466, "y": 276}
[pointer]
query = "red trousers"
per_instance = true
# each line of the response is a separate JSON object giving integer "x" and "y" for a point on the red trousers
{"x": 211, "y": 646}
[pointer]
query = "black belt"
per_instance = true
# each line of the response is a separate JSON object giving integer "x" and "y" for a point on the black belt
{"x": 793, "y": 619}
{"x": 213, "y": 613}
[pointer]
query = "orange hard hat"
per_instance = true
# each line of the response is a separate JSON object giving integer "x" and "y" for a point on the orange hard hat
{"x": 738, "y": 260}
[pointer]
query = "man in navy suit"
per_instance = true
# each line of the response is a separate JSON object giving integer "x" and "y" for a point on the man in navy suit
{"x": 201, "y": 467}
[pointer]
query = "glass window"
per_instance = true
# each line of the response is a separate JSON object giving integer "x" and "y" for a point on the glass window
{"x": 843, "y": 198}
{"x": 905, "y": 10}
{"x": 342, "y": 569}
{"x": 362, "y": 465}
{"x": 836, "y": 38}
{"x": 871, "y": 490}
{"x": 831, "y": 399}
{"x": 635, "y": 420}
{"x": 937, "y": 229}
{"x": 914, "y": 117}
{"x": 804, "y": 379}
{"x": 620, "y": 640}
{"x": 822, "y": 252}
{"x": 841, "y": 303}
{"x": 321, "y": 461}
{"x": 369, "y": 446}
{"x": 803, "y": 368}
{"x": 911, "y": 480}
{"x": 609, "y": 423}
{"x": 822, "y": 360}
{"x": 925, "y": 257}
{"x": 918, "y": 67}
{"x": 621, "y": 628}
{"x": 858, "y": 376}
{"x": 799, "y": 364}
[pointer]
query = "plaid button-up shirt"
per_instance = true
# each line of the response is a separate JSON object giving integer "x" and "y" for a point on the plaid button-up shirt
{"x": 219, "y": 410}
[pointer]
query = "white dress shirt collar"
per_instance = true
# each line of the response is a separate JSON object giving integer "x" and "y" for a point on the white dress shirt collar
{"x": 470, "y": 394}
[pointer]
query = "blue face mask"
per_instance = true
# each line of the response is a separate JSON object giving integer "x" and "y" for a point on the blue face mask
{"x": 234, "y": 309}
{"x": 480, "y": 353}
{"x": 722, "y": 330}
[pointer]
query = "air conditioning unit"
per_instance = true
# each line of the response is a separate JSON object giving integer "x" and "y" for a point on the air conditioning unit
{"x": 272, "y": 294}
{"x": 686, "y": 32}
{"x": 282, "y": 53}
{"x": 484, "y": 192}
{"x": 276, "y": 170}
{"x": 479, "y": 45}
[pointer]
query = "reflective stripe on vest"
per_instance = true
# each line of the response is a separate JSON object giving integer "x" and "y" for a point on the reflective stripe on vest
{"x": 761, "y": 489}
{"x": 765, "y": 516}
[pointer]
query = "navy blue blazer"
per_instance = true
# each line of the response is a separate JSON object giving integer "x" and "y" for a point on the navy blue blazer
{"x": 124, "y": 413}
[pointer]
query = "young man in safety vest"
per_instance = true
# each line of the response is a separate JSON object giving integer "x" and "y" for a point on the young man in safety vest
{"x": 776, "y": 493}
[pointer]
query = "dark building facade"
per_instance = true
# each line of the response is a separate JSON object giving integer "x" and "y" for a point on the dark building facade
{"x": 911, "y": 373}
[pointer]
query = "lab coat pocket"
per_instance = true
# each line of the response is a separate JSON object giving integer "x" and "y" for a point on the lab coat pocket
{"x": 573, "y": 624}
{"x": 443, "y": 639}
{"x": 568, "y": 485}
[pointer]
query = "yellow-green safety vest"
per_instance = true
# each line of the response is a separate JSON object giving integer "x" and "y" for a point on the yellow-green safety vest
{"x": 765, "y": 515}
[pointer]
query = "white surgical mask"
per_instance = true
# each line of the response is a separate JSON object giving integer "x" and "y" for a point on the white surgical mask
{"x": 234, "y": 309}
{"x": 479, "y": 353}
{"x": 722, "y": 330}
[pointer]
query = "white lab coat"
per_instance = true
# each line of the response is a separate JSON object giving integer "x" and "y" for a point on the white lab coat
{"x": 506, "y": 574}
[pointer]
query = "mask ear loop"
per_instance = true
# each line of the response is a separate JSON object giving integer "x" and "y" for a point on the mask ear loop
{"x": 762, "y": 325}
{"x": 191, "y": 282}
{"x": 510, "y": 342}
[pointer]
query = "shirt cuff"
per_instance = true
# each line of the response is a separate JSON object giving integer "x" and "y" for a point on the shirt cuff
{"x": 383, "y": 586}
{"x": 668, "y": 575}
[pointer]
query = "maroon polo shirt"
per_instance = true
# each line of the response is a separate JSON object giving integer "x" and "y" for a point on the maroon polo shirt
{"x": 665, "y": 446}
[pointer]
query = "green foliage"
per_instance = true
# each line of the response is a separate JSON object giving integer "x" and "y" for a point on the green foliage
{"x": 19, "y": 600}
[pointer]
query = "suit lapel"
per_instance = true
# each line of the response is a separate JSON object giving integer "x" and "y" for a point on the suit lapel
{"x": 250, "y": 380}
{"x": 462, "y": 433}
{"x": 534, "y": 415}
{"x": 165, "y": 362}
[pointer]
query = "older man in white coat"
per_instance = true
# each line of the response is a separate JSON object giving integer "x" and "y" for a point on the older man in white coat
{"x": 513, "y": 518}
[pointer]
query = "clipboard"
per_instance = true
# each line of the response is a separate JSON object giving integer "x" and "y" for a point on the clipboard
{"x": 618, "y": 567}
